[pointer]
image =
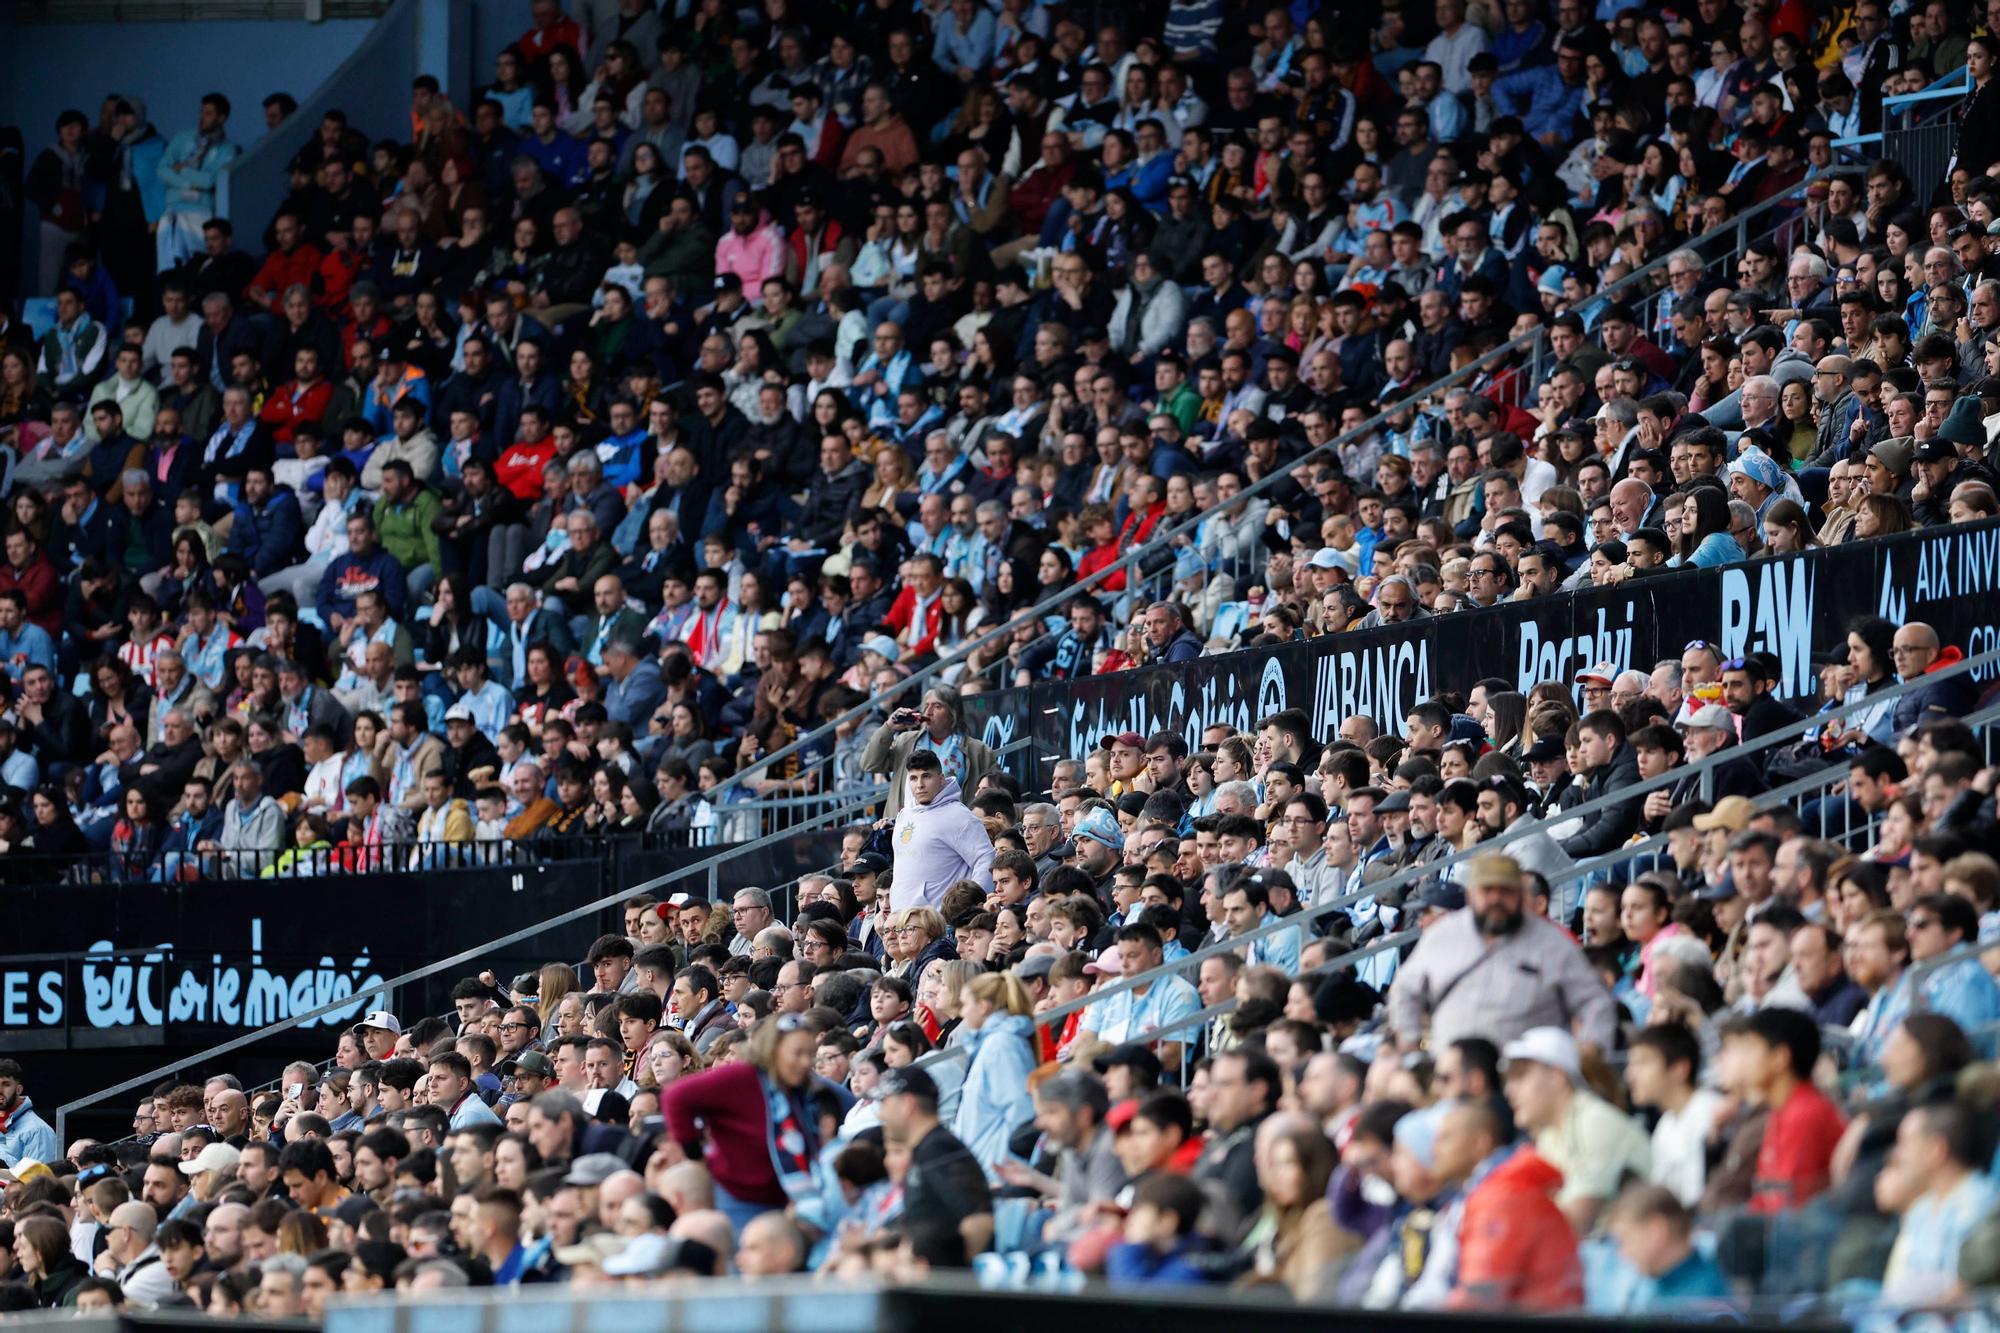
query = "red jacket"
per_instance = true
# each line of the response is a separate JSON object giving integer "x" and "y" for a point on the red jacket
{"x": 904, "y": 608}
{"x": 1515, "y": 1248}
{"x": 289, "y": 407}
{"x": 728, "y": 1102}
{"x": 39, "y": 584}
{"x": 283, "y": 270}
{"x": 520, "y": 468}
{"x": 1036, "y": 194}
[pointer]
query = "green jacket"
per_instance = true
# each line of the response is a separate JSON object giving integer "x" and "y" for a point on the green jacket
{"x": 406, "y": 530}
{"x": 685, "y": 257}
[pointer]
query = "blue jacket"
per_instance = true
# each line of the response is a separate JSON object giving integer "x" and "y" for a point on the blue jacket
{"x": 1546, "y": 105}
{"x": 269, "y": 537}
{"x": 26, "y": 1136}
{"x": 1131, "y": 1263}
{"x": 995, "y": 1100}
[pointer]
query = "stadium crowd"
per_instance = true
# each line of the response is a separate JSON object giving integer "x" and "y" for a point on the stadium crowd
{"x": 543, "y": 464}
{"x": 538, "y": 467}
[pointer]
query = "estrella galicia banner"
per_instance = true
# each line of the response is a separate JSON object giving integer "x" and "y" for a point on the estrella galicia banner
{"x": 1791, "y": 607}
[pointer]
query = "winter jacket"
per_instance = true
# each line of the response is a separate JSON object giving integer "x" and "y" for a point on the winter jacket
{"x": 25, "y": 1136}
{"x": 937, "y": 845}
{"x": 1161, "y": 315}
{"x": 1943, "y": 698}
{"x": 1516, "y": 1250}
{"x": 995, "y": 1101}
{"x": 1609, "y": 827}
{"x": 268, "y": 535}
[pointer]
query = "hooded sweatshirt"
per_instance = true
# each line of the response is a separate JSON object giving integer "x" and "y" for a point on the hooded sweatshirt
{"x": 938, "y": 845}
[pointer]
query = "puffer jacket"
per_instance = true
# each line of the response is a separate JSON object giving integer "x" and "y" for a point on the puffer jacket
{"x": 995, "y": 1101}
{"x": 1516, "y": 1250}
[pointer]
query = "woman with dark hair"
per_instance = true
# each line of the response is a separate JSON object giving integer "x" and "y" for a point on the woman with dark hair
{"x": 1705, "y": 541}
{"x": 453, "y": 626}
{"x": 52, "y": 831}
{"x": 120, "y": 697}
{"x": 136, "y": 837}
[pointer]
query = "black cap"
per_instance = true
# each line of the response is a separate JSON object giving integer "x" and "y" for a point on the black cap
{"x": 1544, "y": 749}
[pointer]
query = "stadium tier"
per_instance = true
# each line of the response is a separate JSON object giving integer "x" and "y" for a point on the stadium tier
{"x": 1326, "y": 657}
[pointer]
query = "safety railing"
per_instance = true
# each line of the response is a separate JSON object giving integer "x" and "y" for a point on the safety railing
{"x": 706, "y": 874}
{"x": 1413, "y": 875}
{"x": 1529, "y": 352}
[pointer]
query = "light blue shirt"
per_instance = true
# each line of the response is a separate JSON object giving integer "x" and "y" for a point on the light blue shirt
{"x": 1129, "y": 1015}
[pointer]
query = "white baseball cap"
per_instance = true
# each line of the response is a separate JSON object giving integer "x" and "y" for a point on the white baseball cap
{"x": 383, "y": 1019}
{"x": 1546, "y": 1046}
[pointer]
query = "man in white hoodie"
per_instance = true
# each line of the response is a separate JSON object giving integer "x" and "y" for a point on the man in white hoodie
{"x": 938, "y": 840}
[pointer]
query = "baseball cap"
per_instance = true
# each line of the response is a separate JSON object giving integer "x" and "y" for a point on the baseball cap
{"x": 384, "y": 1020}
{"x": 1544, "y": 749}
{"x": 26, "y": 1169}
{"x": 215, "y": 1157}
{"x": 593, "y": 1169}
{"x": 1733, "y": 813}
{"x": 529, "y": 1062}
{"x": 1603, "y": 673}
{"x": 1129, "y": 1056}
{"x": 1326, "y": 557}
{"x": 1131, "y": 738}
{"x": 1711, "y": 715}
{"x": 1546, "y": 1046}
{"x": 1445, "y": 897}
{"x": 1036, "y": 965}
{"x": 1101, "y": 826}
{"x": 458, "y": 713}
{"x": 905, "y": 1080}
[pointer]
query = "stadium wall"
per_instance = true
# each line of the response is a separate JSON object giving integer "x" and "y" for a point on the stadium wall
{"x": 1794, "y": 606}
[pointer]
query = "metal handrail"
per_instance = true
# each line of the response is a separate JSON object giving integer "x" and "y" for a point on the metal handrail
{"x": 708, "y": 867}
{"x": 1160, "y": 541}
{"x": 699, "y": 868}
{"x": 1514, "y": 833}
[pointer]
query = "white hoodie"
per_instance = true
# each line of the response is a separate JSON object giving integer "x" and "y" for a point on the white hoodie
{"x": 937, "y": 845}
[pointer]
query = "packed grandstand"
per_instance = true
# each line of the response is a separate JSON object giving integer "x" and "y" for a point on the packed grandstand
{"x": 1390, "y": 606}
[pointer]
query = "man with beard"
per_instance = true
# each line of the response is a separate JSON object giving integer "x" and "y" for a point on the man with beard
{"x": 1490, "y": 970}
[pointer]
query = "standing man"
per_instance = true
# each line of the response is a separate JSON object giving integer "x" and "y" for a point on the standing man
{"x": 189, "y": 170}
{"x": 938, "y": 840}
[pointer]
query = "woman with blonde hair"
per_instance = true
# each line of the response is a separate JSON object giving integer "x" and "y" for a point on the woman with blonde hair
{"x": 554, "y": 981}
{"x": 999, "y": 1037}
{"x": 1295, "y": 1241}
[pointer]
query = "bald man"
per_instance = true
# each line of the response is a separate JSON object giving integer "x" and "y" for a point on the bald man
{"x": 130, "y": 1257}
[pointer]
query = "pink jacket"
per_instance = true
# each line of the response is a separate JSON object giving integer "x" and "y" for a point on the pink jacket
{"x": 753, "y": 258}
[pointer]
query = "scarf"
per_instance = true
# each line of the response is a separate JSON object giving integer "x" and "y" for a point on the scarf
{"x": 67, "y": 340}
